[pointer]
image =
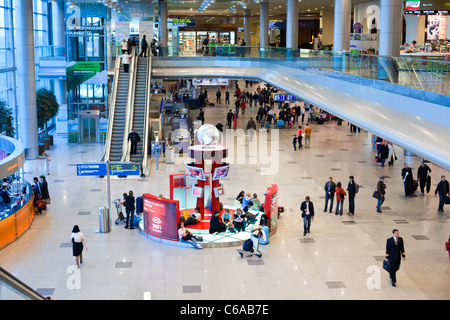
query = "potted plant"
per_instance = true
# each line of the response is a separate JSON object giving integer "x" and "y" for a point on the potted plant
{"x": 6, "y": 120}
{"x": 47, "y": 108}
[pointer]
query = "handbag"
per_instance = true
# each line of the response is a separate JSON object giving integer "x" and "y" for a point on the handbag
{"x": 386, "y": 265}
{"x": 447, "y": 200}
{"x": 376, "y": 194}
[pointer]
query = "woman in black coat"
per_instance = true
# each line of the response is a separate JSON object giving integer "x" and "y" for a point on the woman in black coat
{"x": 408, "y": 180}
{"x": 215, "y": 225}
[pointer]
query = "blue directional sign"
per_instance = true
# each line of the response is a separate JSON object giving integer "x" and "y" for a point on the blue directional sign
{"x": 91, "y": 169}
{"x": 124, "y": 169}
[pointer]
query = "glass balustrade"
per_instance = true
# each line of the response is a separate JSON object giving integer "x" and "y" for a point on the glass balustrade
{"x": 425, "y": 74}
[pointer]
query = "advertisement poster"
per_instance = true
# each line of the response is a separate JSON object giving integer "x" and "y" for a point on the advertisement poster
{"x": 122, "y": 31}
{"x": 271, "y": 206}
{"x": 146, "y": 28}
{"x": 160, "y": 217}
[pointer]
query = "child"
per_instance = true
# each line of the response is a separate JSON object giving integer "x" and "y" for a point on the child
{"x": 294, "y": 142}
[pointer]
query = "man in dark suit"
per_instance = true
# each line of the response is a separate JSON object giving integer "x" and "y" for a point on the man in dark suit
{"x": 395, "y": 251}
{"x": 307, "y": 209}
{"x": 330, "y": 187}
{"x": 134, "y": 137}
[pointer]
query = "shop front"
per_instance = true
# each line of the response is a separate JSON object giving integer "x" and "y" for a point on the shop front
{"x": 191, "y": 38}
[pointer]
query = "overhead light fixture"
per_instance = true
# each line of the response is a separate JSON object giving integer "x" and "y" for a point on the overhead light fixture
{"x": 106, "y": 2}
{"x": 120, "y": 9}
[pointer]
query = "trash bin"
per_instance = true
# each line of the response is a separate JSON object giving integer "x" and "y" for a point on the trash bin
{"x": 104, "y": 220}
{"x": 170, "y": 155}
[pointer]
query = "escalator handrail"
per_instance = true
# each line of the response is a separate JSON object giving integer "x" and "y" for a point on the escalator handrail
{"x": 8, "y": 278}
{"x": 148, "y": 96}
{"x": 112, "y": 107}
{"x": 130, "y": 107}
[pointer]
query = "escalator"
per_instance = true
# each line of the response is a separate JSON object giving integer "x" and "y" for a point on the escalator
{"x": 12, "y": 288}
{"x": 119, "y": 120}
{"x": 139, "y": 110}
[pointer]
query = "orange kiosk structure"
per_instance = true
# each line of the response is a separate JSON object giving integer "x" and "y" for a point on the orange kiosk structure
{"x": 16, "y": 216}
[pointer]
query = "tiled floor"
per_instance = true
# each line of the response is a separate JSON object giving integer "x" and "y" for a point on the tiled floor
{"x": 340, "y": 259}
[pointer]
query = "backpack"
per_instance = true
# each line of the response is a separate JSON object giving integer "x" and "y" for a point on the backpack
{"x": 248, "y": 245}
{"x": 356, "y": 188}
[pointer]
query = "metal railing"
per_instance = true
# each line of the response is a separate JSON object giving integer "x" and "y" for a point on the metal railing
{"x": 130, "y": 106}
{"x": 11, "y": 288}
{"x": 148, "y": 96}
{"x": 111, "y": 110}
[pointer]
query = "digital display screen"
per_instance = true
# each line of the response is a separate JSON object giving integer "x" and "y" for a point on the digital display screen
{"x": 197, "y": 192}
{"x": 221, "y": 172}
{"x": 427, "y": 6}
{"x": 195, "y": 173}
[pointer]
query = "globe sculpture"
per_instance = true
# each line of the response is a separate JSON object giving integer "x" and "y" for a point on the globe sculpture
{"x": 208, "y": 134}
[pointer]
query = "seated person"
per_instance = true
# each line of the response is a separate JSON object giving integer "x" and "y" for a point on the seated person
{"x": 215, "y": 224}
{"x": 226, "y": 218}
{"x": 256, "y": 203}
{"x": 185, "y": 236}
{"x": 248, "y": 215}
{"x": 239, "y": 198}
{"x": 246, "y": 199}
{"x": 5, "y": 195}
{"x": 194, "y": 217}
{"x": 239, "y": 220}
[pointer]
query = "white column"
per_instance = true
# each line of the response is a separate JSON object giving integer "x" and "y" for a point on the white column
{"x": 247, "y": 27}
{"x": 391, "y": 23}
{"x": 292, "y": 24}
{"x": 26, "y": 78}
{"x": 162, "y": 20}
{"x": 342, "y": 20}
{"x": 58, "y": 25}
{"x": 264, "y": 24}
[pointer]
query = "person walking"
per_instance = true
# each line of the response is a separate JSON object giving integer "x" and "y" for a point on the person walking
{"x": 77, "y": 239}
{"x": 229, "y": 118}
{"x": 218, "y": 95}
{"x": 395, "y": 251}
{"x": 383, "y": 152}
{"x": 251, "y": 128}
{"x": 408, "y": 180}
{"x": 442, "y": 188}
{"x": 129, "y": 209}
{"x": 126, "y": 62}
{"x": 300, "y": 137}
{"x": 307, "y": 209}
{"x": 330, "y": 187}
{"x": 381, "y": 190}
{"x": 307, "y": 136}
{"x": 422, "y": 175}
{"x": 294, "y": 142}
{"x": 352, "y": 189}
{"x": 340, "y": 196}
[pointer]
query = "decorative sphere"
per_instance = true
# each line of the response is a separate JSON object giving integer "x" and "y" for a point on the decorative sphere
{"x": 208, "y": 134}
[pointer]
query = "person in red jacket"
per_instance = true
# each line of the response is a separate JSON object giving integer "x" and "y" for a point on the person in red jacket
{"x": 447, "y": 246}
{"x": 340, "y": 196}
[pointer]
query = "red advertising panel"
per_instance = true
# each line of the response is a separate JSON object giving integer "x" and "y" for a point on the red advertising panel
{"x": 161, "y": 217}
{"x": 271, "y": 206}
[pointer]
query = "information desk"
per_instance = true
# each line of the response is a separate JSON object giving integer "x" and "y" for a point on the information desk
{"x": 15, "y": 224}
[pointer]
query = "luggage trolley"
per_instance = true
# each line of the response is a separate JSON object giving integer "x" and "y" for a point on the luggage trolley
{"x": 120, "y": 216}
{"x": 248, "y": 247}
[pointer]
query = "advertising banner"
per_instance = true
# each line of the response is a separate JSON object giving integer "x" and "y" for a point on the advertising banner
{"x": 271, "y": 206}
{"x": 161, "y": 217}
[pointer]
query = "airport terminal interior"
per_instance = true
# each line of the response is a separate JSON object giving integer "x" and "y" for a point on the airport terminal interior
{"x": 339, "y": 258}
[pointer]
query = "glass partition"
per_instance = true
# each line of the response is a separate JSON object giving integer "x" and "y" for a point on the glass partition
{"x": 424, "y": 74}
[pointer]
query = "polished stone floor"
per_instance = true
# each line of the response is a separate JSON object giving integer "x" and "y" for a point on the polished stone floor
{"x": 340, "y": 259}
